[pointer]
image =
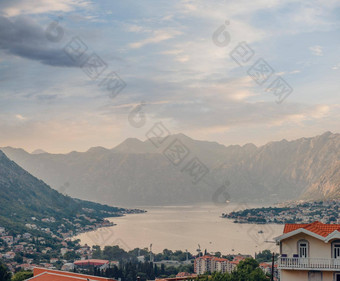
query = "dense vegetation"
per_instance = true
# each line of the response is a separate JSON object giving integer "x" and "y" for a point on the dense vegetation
{"x": 266, "y": 256}
{"x": 247, "y": 270}
{"x": 118, "y": 254}
{"x": 129, "y": 267}
{"x": 22, "y": 275}
{"x": 5, "y": 274}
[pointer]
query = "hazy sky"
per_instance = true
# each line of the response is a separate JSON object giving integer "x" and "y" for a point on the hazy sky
{"x": 168, "y": 56}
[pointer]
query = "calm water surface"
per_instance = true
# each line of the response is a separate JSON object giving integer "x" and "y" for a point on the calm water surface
{"x": 184, "y": 227}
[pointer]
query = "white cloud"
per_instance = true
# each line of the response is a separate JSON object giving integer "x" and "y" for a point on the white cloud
{"x": 335, "y": 67}
{"x": 20, "y": 117}
{"x": 316, "y": 50}
{"x": 20, "y": 7}
{"x": 157, "y": 37}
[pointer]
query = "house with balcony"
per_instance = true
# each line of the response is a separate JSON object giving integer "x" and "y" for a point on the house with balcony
{"x": 309, "y": 252}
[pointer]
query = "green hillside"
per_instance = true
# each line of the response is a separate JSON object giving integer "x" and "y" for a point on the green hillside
{"x": 25, "y": 199}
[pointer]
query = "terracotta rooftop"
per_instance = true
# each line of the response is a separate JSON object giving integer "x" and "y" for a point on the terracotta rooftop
{"x": 316, "y": 227}
{"x": 91, "y": 262}
{"x": 43, "y": 274}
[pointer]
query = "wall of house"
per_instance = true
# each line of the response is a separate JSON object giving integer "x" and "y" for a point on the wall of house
{"x": 317, "y": 248}
{"x": 299, "y": 275}
{"x": 293, "y": 275}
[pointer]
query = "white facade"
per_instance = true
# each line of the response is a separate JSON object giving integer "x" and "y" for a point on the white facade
{"x": 212, "y": 264}
{"x": 310, "y": 253}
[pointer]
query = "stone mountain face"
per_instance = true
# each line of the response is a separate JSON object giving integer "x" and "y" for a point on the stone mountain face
{"x": 137, "y": 173}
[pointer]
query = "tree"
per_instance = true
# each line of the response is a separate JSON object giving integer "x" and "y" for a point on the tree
{"x": 218, "y": 254}
{"x": 249, "y": 270}
{"x": 96, "y": 252}
{"x": 5, "y": 274}
{"x": 218, "y": 276}
{"x": 18, "y": 258}
{"x": 265, "y": 256}
{"x": 22, "y": 275}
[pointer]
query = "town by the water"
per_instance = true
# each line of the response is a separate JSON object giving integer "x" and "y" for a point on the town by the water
{"x": 27, "y": 253}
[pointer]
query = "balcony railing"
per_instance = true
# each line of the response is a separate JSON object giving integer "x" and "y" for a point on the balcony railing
{"x": 308, "y": 263}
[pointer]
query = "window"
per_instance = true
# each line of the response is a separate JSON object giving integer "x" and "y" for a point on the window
{"x": 303, "y": 251}
{"x": 336, "y": 249}
{"x": 315, "y": 276}
{"x": 337, "y": 277}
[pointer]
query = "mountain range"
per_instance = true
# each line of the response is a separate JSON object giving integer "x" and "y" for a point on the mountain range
{"x": 136, "y": 173}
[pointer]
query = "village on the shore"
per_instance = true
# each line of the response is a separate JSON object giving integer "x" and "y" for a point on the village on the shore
{"x": 293, "y": 212}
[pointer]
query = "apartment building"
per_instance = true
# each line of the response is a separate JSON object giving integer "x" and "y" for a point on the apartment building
{"x": 212, "y": 264}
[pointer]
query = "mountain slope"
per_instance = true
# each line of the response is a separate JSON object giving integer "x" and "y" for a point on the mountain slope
{"x": 22, "y": 196}
{"x": 136, "y": 173}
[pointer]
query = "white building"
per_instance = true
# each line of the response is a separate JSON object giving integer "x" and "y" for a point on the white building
{"x": 212, "y": 264}
{"x": 309, "y": 252}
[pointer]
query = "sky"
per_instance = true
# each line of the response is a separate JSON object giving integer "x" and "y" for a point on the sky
{"x": 75, "y": 74}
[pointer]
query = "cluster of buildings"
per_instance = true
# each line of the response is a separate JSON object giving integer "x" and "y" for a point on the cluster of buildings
{"x": 68, "y": 228}
{"x": 15, "y": 250}
{"x": 325, "y": 212}
{"x": 308, "y": 252}
{"x": 211, "y": 264}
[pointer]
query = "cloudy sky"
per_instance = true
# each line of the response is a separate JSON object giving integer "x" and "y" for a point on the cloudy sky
{"x": 178, "y": 58}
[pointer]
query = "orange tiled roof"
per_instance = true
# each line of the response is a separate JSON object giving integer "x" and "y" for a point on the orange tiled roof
{"x": 220, "y": 259}
{"x": 205, "y": 257}
{"x": 316, "y": 227}
{"x": 43, "y": 274}
{"x": 91, "y": 262}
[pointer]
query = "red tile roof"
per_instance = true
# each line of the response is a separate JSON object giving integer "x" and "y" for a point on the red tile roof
{"x": 207, "y": 257}
{"x": 315, "y": 227}
{"x": 91, "y": 262}
{"x": 43, "y": 274}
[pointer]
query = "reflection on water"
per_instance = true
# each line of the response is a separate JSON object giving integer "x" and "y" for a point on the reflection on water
{"x": 184, "y": 227}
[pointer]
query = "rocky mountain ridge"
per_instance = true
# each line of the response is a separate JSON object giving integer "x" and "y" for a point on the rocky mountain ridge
{"x": 137, "y": 173}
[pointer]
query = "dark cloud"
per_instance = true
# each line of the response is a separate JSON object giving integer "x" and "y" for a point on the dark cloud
{"x": 24, "y": 38}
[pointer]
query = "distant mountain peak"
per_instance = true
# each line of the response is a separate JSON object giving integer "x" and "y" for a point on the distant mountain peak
{"x": 132, "y": 145}
{"x": 97, "y": 149}
{"x": 38, "y": 151}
